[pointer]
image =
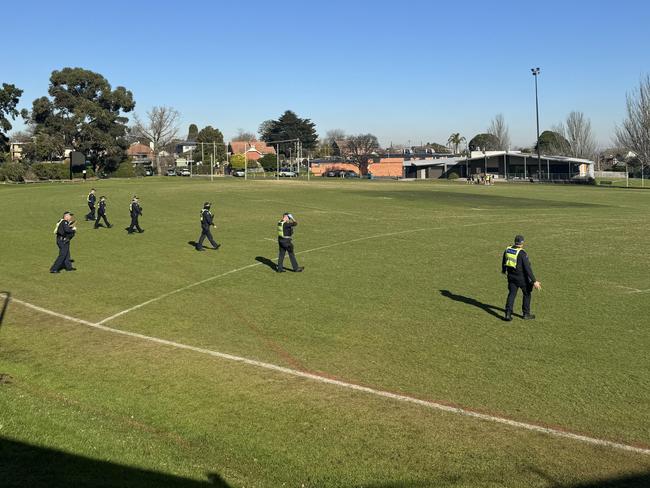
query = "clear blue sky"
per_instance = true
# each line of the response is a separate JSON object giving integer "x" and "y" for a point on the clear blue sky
{"x": 403, "y": 70}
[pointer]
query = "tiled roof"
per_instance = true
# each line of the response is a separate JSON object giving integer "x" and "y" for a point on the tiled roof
{"x": 240, "y": 147}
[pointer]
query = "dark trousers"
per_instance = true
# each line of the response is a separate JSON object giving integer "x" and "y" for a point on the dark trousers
{"x": 526, "y": 289}
{"x": 206, "y": 233}
{"x": 101, "y": 216}
{"x": 134, "y": 224}
{"x": 286, "y": 246}
{"x": 63, "y": 259}
{"x": 91, "y": 214}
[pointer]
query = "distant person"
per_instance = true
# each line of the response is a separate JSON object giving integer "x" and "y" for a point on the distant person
{"x": 516, "y": 266}
{"x": 285, "y": 242}
{"x": 101, "y": 213}
{"x": 64, "y": 231}
{"x": 84, "y": 174}
{"x": 91, "y": 204}
{"x": 207, "y": 221}
{"x": 136, "y": 211}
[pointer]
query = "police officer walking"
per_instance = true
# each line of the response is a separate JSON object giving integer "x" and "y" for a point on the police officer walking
{"x": 207, "y": 221}
{"x": 285, "y": 242}
{"x": 101, "y": 213}
{"x": 136, "y": 211}
{"x": 64, "y": 231}
{"x": 91, "y": 205}
{"x": 516, "y": 266}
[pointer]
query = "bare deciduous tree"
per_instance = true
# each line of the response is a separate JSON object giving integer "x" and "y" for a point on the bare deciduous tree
{"x": 334, "y": 135}
{"x": 578, "y": 133}
{"x": 361, "y": 148}
{"x": 634, "y": 133}
{"x": 499, "y": 129}
{"x": 160, "y": 129}
{"x": 243, "y": 135}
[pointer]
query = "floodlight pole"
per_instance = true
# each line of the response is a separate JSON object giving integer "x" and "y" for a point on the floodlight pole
{"x": 536, "y": 72}
{"x": 202, "y": 154}
{"x": 277, "y": 161}
{"x": 214, "y": 160}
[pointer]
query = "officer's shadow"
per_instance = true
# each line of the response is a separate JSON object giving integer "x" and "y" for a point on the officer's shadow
{"x": 267, "y": 262}
{"x": 493, "y": 310}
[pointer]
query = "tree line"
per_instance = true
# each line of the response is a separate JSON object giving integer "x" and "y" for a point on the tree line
{"x": 83, "y": 112}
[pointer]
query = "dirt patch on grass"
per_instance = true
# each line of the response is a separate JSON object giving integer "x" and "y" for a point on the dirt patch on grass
{"x": 6, "y": 379}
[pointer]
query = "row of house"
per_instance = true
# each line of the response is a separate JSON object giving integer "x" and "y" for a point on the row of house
{"x": 144, "y": 153}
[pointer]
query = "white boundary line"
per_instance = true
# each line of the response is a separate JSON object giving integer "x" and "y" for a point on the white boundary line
{"x": 351, "y": 386}
{"x": 327, "y": 246}
{"x": 178, "y": 290}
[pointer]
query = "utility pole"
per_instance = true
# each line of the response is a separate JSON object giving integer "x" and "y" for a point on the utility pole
{"x": 536, "y": 72}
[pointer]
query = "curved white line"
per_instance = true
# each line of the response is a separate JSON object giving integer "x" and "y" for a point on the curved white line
{"x": 351, "y": 386}
{"x": 236, "y": 270}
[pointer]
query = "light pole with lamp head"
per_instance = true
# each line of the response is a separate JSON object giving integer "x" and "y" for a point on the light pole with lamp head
{"x": 536, "y": 72}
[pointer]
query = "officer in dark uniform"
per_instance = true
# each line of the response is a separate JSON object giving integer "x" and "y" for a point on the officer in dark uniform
{"x": 101, "y": 213}
{"x": 64, "y": 231}
{"x": 136, "y": 211}
{"x": 207, "y": 221}
{"x": 516, "y": 266}
{"x": 285, "y": 242}
{"x": 91, "y": 205}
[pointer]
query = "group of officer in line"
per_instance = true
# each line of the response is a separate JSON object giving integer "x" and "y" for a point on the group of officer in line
{"x": 66, "y": 229}
{"x": 514, "y": 263}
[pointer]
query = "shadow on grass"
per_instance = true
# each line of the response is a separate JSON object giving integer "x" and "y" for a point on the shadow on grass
{"x": 267, "y": 262}
{"x": 632, "y": 481}
{"x": 27, "y": 465}
{"x": 493, "y": 310}
{"x": 5, "y": 304}
{"x": 637, "y": 480}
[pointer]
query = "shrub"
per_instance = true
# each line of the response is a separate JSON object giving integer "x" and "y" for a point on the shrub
{"x": 125, "y": 170}
{"x": 138, "y": 170}
{"x": 13, "y": 172}
{"x": 452, "y": 175}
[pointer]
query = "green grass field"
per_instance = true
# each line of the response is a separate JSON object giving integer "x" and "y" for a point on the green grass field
{"x": 402, "y": 292}
{"x": 623, "y": 183}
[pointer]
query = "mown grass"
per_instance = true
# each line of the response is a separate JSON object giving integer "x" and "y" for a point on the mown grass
{"x": 414, "y": 312}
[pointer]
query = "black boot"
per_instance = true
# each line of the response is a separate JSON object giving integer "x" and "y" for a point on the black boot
{"x": 508, "y": 317}
{"x": 529, "y": 316}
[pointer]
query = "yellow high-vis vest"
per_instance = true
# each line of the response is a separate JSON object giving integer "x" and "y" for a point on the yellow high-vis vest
{"x": 511, "y": 256}
{"x": 281, "y": 230}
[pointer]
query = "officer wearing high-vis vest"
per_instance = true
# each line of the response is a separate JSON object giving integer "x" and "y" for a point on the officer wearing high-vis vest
{"x": 285, "y": 242}
{"x": 91, "y": 205}
{"x": 64, "y": 231}
{"x": 101, "y": 213}
{"x": 135, "y": 210}
{"x": 207, "y": 221}
{"x": 516, "y": 266}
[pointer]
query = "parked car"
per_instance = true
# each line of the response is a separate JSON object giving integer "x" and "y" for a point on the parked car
{"x": 350, "y": 174}
{"x": 287, "y": 174}
{"x": 171, "y": 172}
{"x": 332, "y": 174}
{"x": 148, "y": 172}
{"x": 239, "y": 173}
{"x": 185, "y": 172}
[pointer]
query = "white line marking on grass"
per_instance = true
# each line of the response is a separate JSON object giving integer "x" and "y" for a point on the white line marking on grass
{"x": 640, "y": 291}
{"x": 351, "y": 386}
{"x": 184, "y": 288}
{"x": 192, "y": 285}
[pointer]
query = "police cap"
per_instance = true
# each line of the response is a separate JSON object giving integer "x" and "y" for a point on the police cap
{"x": 519, "y": 239}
